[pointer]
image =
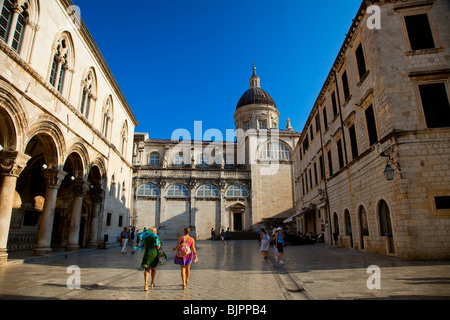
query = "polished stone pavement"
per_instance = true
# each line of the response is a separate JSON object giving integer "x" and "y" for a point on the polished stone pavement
{"x": 234, "y": 271}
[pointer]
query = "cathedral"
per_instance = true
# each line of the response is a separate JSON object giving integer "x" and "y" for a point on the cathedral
{"x": 241, "y": 185}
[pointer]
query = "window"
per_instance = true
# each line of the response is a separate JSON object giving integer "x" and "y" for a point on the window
{"x": 361, "y": 61}
{"x": 442, "y": 203}
{"x": 204, "y": 159}
{"x": 124, "y": 138}
{"x": 311, "y": 132}
{"x": 315, "y": 174}
{"x": 207, "y": 191}
{"x": 353, "y": 141}
{"x": 310, "y": 179}
{"x": 325, "y": 118}
{"x": 371, "y": 125}
{"x": 275, "y": 151}
{"x": 148, "y": 190}
{"x": 246, "y": 126}
{"x": 5, "y": 19}
{"x": 178, "y": 190}
{"x": 419, "y": 32}
{"x": 321, "y": 168}
{"x": 330, "y": 163}
{"x": 61, "y": 62}
{"x": 435, "y": 105}
{"x": 178, "y": 160}
{"x": 305, "y": 144}
{"x": 120, "y": 221}
{"x": 345, "y": 85}
{"x": 107, "y": 116}
{"x": 334, "y": 103}
{"x": 88, "y": 93}
{"x": 13, "y": 35}
{"x": 237, "y": 191}
{"x": 154, "y": 159}
{"x": 108, "y": 219}
{"x": 262, "y": 124}
{"x": 340, "y": 154}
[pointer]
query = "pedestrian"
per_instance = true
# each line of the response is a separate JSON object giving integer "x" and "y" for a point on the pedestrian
{"x": 133, "y": 239}
{"x": 228, "y": 235}
{"x": 280, "y": 244}
{"x": 222, "y": 236}
{"x": 213, "y": 234}
{"x": 150, "y": 261}
{"x": 124, "y": 240}
{"x": 186, "y": 254}
{"x": 265, "y": 243}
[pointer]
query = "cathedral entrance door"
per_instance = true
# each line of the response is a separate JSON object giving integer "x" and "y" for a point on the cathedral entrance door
{"x": 237, "y": 218}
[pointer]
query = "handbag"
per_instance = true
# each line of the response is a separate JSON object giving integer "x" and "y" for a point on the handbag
{"x": 184, "y": 249}
{"x": 162, "y": 257}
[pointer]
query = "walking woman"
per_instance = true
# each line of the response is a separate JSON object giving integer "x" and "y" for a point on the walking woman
{"x": 265, "y": 243}
{"x": 150, "y": 260}
{"x": 186, "y": 253}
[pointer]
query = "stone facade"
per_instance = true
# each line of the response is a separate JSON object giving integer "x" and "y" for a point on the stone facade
{"x": 382, "y": 121}
{"x": 65, "y": 133}
{"x": 220, "y": 185}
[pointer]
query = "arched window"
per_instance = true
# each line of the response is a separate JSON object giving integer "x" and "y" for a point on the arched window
{"x": 124, "y": 138}
{"x": 237, "y": 191}
{"x": 384, "y": 216}
{"x": 107, "y": 117}
{"x": 178, "y": 160}
{"x": 154, "y": 159}
{"x": 62, "y": 61}
{"x": 148, "y": 190}
{"x": 207, "y": 191}
{"x": 178, "y": 190}
{"x": 275, "y": 151}
{"x": 88, "y": 94}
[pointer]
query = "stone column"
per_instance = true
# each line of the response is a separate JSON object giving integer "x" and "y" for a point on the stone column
{"x": 97, "y": 199}
{"x": 192, "y": 210}
{"x": 16, "y": 10}
{"x": 53, "y": 179}
{"x": 12, "y": 164}
{"x": 80, "y": 189}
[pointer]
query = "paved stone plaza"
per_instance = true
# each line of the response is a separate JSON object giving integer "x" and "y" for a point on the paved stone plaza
{"x": 235, "y": 271}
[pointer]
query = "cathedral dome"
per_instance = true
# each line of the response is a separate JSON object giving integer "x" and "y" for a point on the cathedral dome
{"x": 255, "y": 95}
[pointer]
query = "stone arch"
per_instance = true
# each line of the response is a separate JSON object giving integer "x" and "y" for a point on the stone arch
{"x": 49, "y": 134}
{"x": 99, "y": 162}
{"x": 13, "y": 120}
{"x": 79, "y": 148}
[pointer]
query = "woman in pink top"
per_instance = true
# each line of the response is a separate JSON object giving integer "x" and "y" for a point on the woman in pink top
{"x": 186, "y": 261}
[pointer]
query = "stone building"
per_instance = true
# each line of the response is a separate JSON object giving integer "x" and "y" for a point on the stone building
{"x": 215, "y": 184}
{"x": 372, "y": 163}
{"x": 65, "y": 133}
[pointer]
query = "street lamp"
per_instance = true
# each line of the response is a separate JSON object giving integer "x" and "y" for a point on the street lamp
{"x": 389, "y": 172}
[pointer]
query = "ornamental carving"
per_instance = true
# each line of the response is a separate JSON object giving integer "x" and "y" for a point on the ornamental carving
{"x": 53, "y": 178}
{"x": 12, "y": 163}
{"x": 80, "y": 188}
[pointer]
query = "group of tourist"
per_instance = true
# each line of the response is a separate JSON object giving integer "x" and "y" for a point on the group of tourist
{"x": 186, "y": 253}
{"x": 275, "y": 238}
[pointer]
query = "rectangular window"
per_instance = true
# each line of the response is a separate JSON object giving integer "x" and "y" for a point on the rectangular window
{"x": 442, "y": 203}
{"x": 330, "y": 163}
{"x": 305, "y": 144}
{"x": 317, "y": 122}
{"x": 345, "y": 85}
{"x": 310, "y": 179}
{"x": 435, "y": 105}
{"x": 322, "y": 168}
{"x": 246, "y": 126}
{"x": 371, "y": 125}
{"x": 303, "y": 185}
{"x": 311, "y": 132}
{"x": 262, "y": 125}
{"x": 108, "y": 219}
{"x": 419, "y": 32}
{"x": 120, "y": 221}
{"x": 340, "y": 154}
{"x": 325, "y": 118}
{"x": 361, "y": 61}
{"x": 334, "y": 102}
{"x": 353, "y": 141}
{"x": 315, "y": 174}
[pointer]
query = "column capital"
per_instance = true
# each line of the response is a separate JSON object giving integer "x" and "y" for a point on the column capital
{"x": 80, "y": 187}
{"x": 53, "y": 178}
{"x": 97, "y": 194}
{"x": 12, "y": 163}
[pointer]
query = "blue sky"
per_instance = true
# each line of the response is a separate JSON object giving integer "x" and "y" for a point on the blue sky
{"x": 180, "y": 61}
